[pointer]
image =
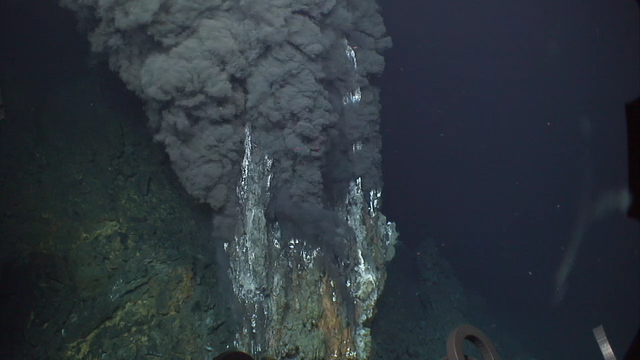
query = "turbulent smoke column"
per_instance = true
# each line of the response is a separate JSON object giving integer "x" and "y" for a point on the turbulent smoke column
{"x": 267, "y": 114}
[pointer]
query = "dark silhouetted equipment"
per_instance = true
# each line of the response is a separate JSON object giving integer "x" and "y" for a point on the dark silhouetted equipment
{"x": 233, "y": 355}
{"x": 456, "y": 340}
{"x": 632, "y": 109}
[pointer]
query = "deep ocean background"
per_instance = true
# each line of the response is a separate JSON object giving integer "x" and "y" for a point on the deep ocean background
{"x": 482, "y": 106}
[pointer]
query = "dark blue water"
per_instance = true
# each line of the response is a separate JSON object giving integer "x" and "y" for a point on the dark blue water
{"x": 483, "y": 150}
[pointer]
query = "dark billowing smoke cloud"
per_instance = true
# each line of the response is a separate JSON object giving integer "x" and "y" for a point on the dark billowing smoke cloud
{"x": 206, "y": 68}
{"x": 321, "y": 227}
